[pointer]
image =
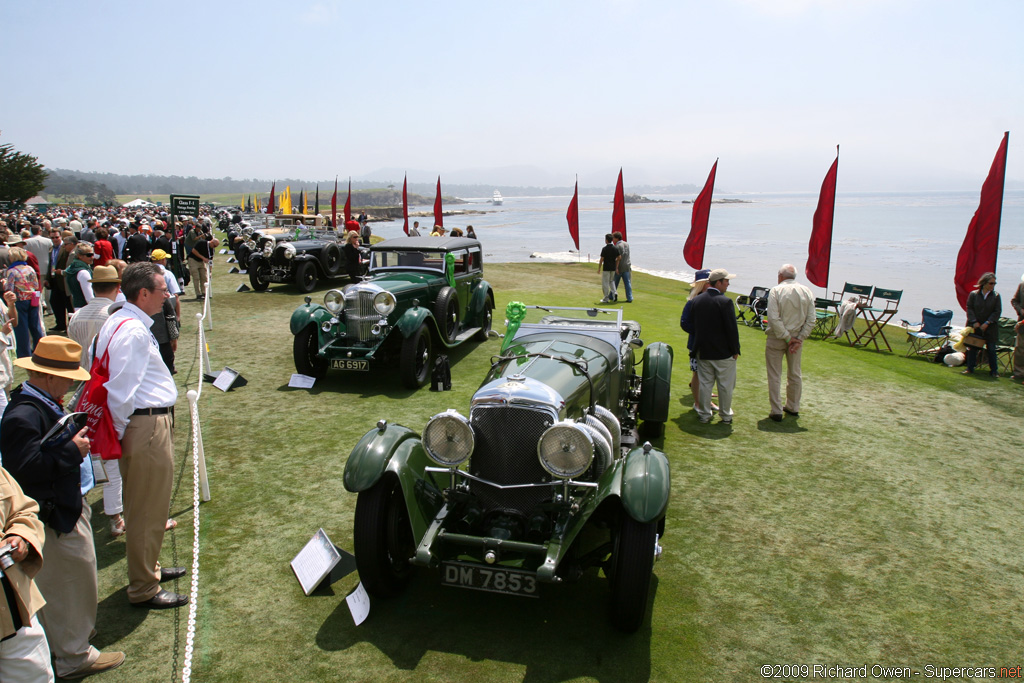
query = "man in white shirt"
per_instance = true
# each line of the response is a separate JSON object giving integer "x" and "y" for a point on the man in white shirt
{"x": 790, "y": 321}
{"x": 140, "y": 397}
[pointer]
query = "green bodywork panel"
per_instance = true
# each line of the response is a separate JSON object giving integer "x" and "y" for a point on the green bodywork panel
{"x": 645, "y": 485}
{"x": 397, "y": 450}
{"x": 307, "y": 313}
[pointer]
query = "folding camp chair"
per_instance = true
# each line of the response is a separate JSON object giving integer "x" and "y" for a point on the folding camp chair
{"x": 825, "y": 318}
{"x": 1004, "y": 348}
{"x": 860, "y": 292}
{"x": 751, "y": 310}
{"x": 933, "y": 334}
{"x": 878, "y": 317}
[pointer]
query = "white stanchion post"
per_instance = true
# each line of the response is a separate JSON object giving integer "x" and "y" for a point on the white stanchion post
{"x": 200, "y": 454}
{"x": 204, "y": 357}
{"x": 207, "y": 305}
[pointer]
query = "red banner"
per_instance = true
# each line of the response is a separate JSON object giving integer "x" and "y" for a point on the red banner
{"x": 405, "y": 204}
{"x": 270, "y": 202}
{"x": 619, "y": 209}
{"x": 693, "y": 250}
{"x": 573, "y": 216}
{"x": 819, "y": 250}
{"x": 334, "y": 205}
{"x": 978, "y": 253}
{"x": 348, "y": 203}
{"x": 438, "y": 213}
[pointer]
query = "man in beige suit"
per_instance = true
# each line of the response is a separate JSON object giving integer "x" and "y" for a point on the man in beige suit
{"x": 790, "y": 321}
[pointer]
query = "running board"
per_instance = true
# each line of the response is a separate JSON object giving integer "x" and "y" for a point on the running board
{"x": 466, "y": 334}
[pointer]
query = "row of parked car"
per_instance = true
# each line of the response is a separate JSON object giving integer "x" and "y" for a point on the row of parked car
{"x": 544, "y": 479}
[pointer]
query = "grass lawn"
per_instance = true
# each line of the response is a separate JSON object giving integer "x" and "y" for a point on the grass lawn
{"x": 884, "y": 526}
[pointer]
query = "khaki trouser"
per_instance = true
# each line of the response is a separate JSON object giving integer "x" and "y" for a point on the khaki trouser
{"x": 147, "y": 473}
{"x": 68, "y": 584}
{"x": 198, "y": 271}
{"x": 723, "y": 374}
{"x": 774, "y": 351}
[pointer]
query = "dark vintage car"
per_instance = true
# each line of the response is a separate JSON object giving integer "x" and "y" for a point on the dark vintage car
{"x": 545, "y": 479}
{"x": 304, "y": 259}
{"x": 422, "y": 293}
{"x": 253, "y": 235}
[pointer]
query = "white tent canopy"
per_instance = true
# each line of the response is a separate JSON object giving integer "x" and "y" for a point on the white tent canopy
{"x": 136, "y": 203}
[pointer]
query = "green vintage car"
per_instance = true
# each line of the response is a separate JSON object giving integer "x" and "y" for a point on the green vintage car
{"x": 545, "y": 479}
{"x": 421, "y": 294}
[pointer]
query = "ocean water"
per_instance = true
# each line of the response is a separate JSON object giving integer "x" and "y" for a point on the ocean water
{"x": 905, "y": 241}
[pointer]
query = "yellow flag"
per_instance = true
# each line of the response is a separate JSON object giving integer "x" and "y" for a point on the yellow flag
{"x": 286, "y": 200}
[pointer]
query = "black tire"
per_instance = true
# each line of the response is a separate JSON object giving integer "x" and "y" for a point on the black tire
{"x": 382, "y": 538}
{"x": 331, "y": 259}
{"x": 446, "y": 312}
{"x": 485, "y": 329}
{"x": 305, "y": 348}
{"x": 417, "y": 354}
{"x": 257, "y": 282}
{"x": 241, "y": 254}
{"x": 632, "y": 563}
{"x": 305, "y": 276}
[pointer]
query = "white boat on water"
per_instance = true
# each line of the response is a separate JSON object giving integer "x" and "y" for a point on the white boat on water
{"x": 497, "y": 198}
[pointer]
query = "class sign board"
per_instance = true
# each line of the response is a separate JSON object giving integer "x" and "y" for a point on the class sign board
{"x": 185, "y": 205}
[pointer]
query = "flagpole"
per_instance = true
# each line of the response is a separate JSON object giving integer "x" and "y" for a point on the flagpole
{"x": 1002, "y": 195}
{"x": 831, "y": 232}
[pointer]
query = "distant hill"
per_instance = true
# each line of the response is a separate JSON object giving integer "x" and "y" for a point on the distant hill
{"x": 149, "y": 184}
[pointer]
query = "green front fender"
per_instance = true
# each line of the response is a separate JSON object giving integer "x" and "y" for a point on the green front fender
{"x": 396, "y": 450}
{"x": 656, "y": 383}
{"x": 645, "y": 485}
{"x": 306, "y": 314}
{"x": 412, "y": 319}
{"x": 369, "y": 459}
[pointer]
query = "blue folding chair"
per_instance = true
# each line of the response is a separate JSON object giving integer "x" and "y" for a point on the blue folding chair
{"x": 933, "y": 334}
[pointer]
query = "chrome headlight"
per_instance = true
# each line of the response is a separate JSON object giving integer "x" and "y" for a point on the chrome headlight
{"x": 448, "y": 438}
{"x": 565, "y": 450}
{"x": 334, "y": 301}
{"x": 247, "y": 232}
{"x": 268, "y": 248}
{"x": 289, "y": 250}
{"x": 384, "y": 303}
{"x": 250, "y": 245}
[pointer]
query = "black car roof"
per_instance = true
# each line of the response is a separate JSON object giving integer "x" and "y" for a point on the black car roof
{"x": 426, "y": 244}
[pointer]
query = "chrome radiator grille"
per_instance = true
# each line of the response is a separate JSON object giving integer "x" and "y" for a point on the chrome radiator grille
{"x": 506, "y": 453}
{"x": 360, "y": 315}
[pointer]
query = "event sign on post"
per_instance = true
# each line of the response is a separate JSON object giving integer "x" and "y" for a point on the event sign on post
{"x": 182, "y": 205}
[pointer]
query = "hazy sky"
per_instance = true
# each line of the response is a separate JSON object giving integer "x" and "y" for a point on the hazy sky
{"x": 917, "y": 92}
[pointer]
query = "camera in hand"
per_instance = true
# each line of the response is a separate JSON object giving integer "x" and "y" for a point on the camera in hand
{"x": 6, "y": 557}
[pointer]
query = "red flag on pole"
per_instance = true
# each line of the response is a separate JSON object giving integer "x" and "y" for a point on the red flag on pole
{"x": 270, "y": 202}
{"x": 619, "y": 209}
{"x": 693, "y": 250}
{"x": 978, "y": 253}
{"x": 334, "y": 205}
{"x": 438, "y": 213}
{"x": 405, "y": 203}
{"x": 348, "y": 202}
{"x": 573, "y": 216}
{"x": 819, "y": 250}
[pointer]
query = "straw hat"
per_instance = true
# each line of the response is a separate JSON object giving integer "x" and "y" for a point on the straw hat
{"x": 106, "y": 274}
{"x": 58, "y": 356}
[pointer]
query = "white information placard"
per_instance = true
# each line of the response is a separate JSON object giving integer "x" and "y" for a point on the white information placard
{"x": 358, "y": 604}
{"x": 225, "y": 379}
{"x": 315, "y": 561}
{"x": 301, "y": 381}
{"x": 223, "y": 251}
